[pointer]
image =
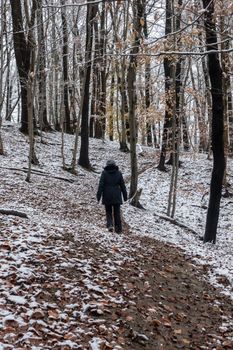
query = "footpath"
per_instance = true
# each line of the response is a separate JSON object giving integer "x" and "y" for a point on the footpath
{"x": 67, "y": 283}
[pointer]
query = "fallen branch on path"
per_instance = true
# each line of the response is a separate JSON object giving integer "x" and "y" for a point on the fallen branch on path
{"x": 177, "y": 223}
{"x": 39, "y": 172}
{"x": 13, "y": 212}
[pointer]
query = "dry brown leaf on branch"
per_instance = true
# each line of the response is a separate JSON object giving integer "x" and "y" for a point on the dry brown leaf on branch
{"x": 142, "y": 22}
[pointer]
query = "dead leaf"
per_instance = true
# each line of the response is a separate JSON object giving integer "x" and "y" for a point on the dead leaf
{"x": 167, "y": 324}
{"x": 70, "y": 336}
{"x": 129, "y": 318}
{"x": 186, "y": 341}
{"x": 156, "y": 323}
{"x": 5, "y": 246}
{"x": 11, "y": 323}
{"x": 38, "y": 314}
{"x": 53, "y": 314}
{"x": 228, "y": 344}
{"x": 115, "y": 249}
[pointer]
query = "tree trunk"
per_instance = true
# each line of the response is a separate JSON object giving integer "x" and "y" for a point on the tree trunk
{"x": 84, "y": 148}
{"x": 215, "y": 74}
{"x": 203, "y": 141}
{"x": 230, "y": 116}
{"x": 42, "y": 98}
{"x": 22, "y": 56}
{"x": 111, "y": 102}
{"x": 1, "y": 75}
{"x": 138, "y": 10}
{"x": 103, "y": 63}
{"x": 168, "y": 86}
{"x": 67, "y": 124}
{"x": 147, "y": 89}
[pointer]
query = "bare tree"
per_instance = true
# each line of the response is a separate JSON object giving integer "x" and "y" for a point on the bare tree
{"x": 216, "y": 78}
{"x": 84, "y": 148}
{"x": 23, "y": 52}
{"x": 67, "y": 122}
{"x": 1, "y": 74}
{"x": 138, "y": 15}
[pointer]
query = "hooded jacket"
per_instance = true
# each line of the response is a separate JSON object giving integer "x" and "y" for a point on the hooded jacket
{"x": 111, "y": 186}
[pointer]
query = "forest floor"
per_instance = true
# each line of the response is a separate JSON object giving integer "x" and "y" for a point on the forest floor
{"x": 67, "y": 283}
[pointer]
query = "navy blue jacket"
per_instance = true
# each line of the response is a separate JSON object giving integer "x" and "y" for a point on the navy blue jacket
{"x": 111, "y": 186}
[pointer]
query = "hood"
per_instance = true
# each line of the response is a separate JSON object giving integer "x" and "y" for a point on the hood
{"x": 111, "y": 168}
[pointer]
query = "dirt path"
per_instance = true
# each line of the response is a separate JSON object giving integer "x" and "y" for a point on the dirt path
{"x": 167, "y": 305}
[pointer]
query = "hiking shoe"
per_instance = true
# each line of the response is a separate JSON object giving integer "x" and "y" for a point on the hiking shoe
{"x": 118, "y": 231}
{"x": 110, "y": 229}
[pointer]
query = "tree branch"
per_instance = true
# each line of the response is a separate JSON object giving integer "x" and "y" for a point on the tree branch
{"x": 13, "y": 212}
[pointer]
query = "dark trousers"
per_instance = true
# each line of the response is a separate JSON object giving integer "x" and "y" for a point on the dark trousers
{"x": 113, "y": 212}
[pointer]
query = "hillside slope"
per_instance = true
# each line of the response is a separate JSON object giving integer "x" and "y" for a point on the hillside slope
{"x": 66, "y": 283}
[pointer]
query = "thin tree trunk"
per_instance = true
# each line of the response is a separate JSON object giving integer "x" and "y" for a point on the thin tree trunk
{"x": 203, "y": 142}
{"x": 42, "y": 98}
{"x": 54, "y": 102}
{"x": 1, "y": 76}
{"x": 168, "y": 95}
{"x": 147, "y": 90}
{"x": 111, "y": 125}
{"x": 67, "y": 126}
{"x": 31, "y": 88}
{"x": 103, "y": 64}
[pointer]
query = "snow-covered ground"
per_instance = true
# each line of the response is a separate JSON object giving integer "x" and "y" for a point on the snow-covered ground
{"x": 191, "y": 209}
{"x": 192, "y": 195}
{"x": 48, "y": 203}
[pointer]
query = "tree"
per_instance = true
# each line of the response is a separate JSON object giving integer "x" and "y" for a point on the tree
{"x": 42, "y": 79}
{"x": 67, "y": 125}
{"x": 23, "y": 53}
{"x": 138, "y": 15}
{"x": 168, "y": 72}
{"x": 216, "y": 78}
{"x": 84, "y": 149}
{"x": 1, "y": 74}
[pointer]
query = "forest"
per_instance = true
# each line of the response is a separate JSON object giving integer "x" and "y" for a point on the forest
{"x": 149, "y": 84}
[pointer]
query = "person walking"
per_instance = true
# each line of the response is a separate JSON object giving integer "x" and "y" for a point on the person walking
{"x": 111, "y": 188}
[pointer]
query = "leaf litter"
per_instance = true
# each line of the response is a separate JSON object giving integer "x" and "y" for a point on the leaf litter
{"x": 66, "y": 283}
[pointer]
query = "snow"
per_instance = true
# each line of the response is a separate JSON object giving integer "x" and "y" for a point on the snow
{"x": 22, "y": 242}
{"x": 17, "y": 299}
{"x": 95, "y": 344}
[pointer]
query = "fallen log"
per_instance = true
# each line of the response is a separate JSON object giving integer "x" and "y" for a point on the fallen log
{"x": 40, "y": 173}
{"x": 177, "y": 223}
{"x": 13, "y": 212}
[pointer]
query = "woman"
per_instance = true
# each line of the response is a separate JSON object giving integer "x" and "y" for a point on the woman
{"x": 111, "y": 188}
